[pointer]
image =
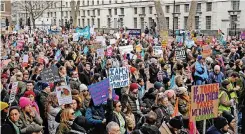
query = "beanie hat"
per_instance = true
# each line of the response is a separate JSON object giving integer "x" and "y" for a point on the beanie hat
{"x": 4, "y": 76}
{"x": 132, "y": 69}
{"x": 133, "y": 86}
{"x": 158, "y": 85}
{"x": 181, "y": 90}
{"x": 176, "y": 122}
{"x": 28, "y": 93}
{"x": 220, "y": 122}
{"x": 44, "y": 85}
{"x": 199, "y": 57}
{"x": 165, "y": 80}
{"x": 3, "y": 105}
{"x": 229, "y": 117}
{"x": 170, "y": 93}
{"x": 83, "y": 87}
{"x": 24, "y": 101}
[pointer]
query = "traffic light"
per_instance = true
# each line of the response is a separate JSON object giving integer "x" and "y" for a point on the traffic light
{"x": 7, "y": 22}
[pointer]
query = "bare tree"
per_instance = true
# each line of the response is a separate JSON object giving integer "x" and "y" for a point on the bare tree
{"x": 74, "y": 11}
{"x": 191, "y": 17}
{"x": 35, "y": 8}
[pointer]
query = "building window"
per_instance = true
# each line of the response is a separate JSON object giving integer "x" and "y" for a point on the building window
{"x": 199, "y": 7}
{"x": 143, "y": 10}
{"x": 208, "y": 22}
{"x": 87, "y": 2}
{"x": 196, "y": 22}
{"x": 176, "y": 23}
{"x": 79, "y": 13}
{"x": 98, "y": 22}
{"x": 88, "y": 22}
{"x": 51, "y": 14}
{"x": 54, "y": 14}
{"x": 187, "y": 8}
{"x": 115, "y": 11}
{"x": 92, "y": 2}
{"x": 109, "y": 10}
{"x": 83, "y": 12}
{"x": 92, "y": 21}
{"x": 142, "y": 23}
{"x": 167, "y": 21}
{"x": 109, "y": 22}
{"x": 66, "y": 4}
{"x": 83, "y": 21}
{"x": 122, "y": 11}
{"x": 135, "y": 22}
{"x": 83, "y": 2}
{"x": 115, "y": 23}
{"x": 235, "y": 5}
{"x": 115, "y": 1}
{"x": 135, "y": 10}
{"x": 167, "y": 9}
{"x": 88, "y": 12}
{"x": 79, "y": 23}
{"x": 185, "y": 22}
{"x": 109, "y": 1}
{"x": 233, "y": 18}
{"x": 103, "y": 2}
{"x": 98, "y": 11}
{"x": 209, "y": 6}
{"x": 150, "y": 10}
{"x": 98, "y": 2}
{"x": 94, "y": 12}
{"x": 177, "y": 8}
{"x": 121, "y": 22}
{"x": 150, "y": 22}
{"x": 48, "y": 14}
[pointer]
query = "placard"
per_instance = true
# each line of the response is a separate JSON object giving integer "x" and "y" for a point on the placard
{"x": 157, "y": 50}
{"x": 112, "y": 41}
{"x": 31, "y": 40}
{"x": 99, "y": 91}
{"x": 243, "y": 35}
{"x": 63, "y": 95}
{"x": 50, "y": 75}
{"x": 126, "y": 49}
{"x": 13, "y": 92}
{"x": 180, "y": 53}
{"x": 138, "y": 48}
{"x": 84, "y": 32}
{"x": 206, "y": 51}
{"x": 204, "y": 102}
{"x": 100, "y": 52}
{"x": 75, "y": 36}
{"x": 100, "y": 39}
{"x": 133, "y": 32}
{"x": 119, "y": 77}
{"x": 109, "y": 51}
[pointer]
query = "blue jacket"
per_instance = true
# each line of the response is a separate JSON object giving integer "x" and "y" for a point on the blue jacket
{"x": 141, "y": 91}
{"x": 216, "y": 78}
{"x": 213, "y": 130}
{"x": 95, "y": 115}
{"x": 201, "y": 71}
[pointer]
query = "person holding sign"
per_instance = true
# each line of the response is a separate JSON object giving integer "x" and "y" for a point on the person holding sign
{"x": 201, "y": 74}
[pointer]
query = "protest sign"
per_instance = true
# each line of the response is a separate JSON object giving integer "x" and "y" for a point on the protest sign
{"x": 126, "y": 49}
{"x": 25, "y": 60}
{"x": 84, "y": 32}
{"x": 180, "y": 53}
{"x": 112, "y": 41}
{"x": 157, "y": 50}
{"x": 63, "y": 94}
{"x": 99, "y": 92}
{"x": 199, "y": 40}
{"x": 109, "y": 51}
{"x": 31, "y": 40}
{"x": 100, "y": 52}
{"x": 133, "y": 32}
{"x": 50, "y": 75}
{"x": 204, "y": 102}
{"x": 44, "y": 40}
{"x": 138, "y": 48}
{"x": 243, "y": 35}
{"x": 75, "y": 36}
{"x": 189, "y": 43}
{"x": 206, "y": 51}
{"x": 100, "y": 39}
{"x": 58, "y": 55}
{"x": 179, "y": 39}
{"x": 119, "y": 77}
{"x": 13, "y": 92}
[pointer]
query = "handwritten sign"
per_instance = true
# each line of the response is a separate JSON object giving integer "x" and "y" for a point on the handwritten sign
{"x": 204, "y": 102}
{"x": 50, "y": 74}
{"x": 112, "y": 41}
{"x": 119, "y": 77}
{"x": 126, "y": 49}
{"x": 99, "y": 91}
{"x": 63, "y": 95}
{"x": 157, "y": 50}
{"x": 180, "y": 53}
{"x": 109, "y": 51}
{"x": 13, "y": 92}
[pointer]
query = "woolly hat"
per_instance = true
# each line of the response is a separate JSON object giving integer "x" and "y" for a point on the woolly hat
{"x": 24, "y": 101}
{"x": 176, "y": 122}
{"x": 44, "y": 85}
{"x": 4, "y": 76}
{"x": 220, "y": 122}
{"x": 199, "y": 57}
{"x": 170, "y": 93}
{"x": 132, "y": 69}
{"x": 181, "y": 90}
{"x": 229, "y": 117}
{"x": 3, "y": 105}
{"x": 28, "y": 93}
{"x": 133, "y": 86}
{"x": 158, "y": 85}
{"x": 165, "y": 80}
{"x": 83, "y": 87}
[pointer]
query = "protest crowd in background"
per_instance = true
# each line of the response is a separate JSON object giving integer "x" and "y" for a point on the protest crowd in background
{"x": 127, "y": 82}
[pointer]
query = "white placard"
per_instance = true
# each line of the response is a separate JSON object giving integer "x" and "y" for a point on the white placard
{"x": 64, "y": 95}
{"x": 126, "y": 49}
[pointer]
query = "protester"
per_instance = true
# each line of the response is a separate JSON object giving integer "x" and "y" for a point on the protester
{"x": 172, "y": 126}
{"x": 220, "y": 126}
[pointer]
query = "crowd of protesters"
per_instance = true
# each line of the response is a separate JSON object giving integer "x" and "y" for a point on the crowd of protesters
{"x": 155, "y": 102}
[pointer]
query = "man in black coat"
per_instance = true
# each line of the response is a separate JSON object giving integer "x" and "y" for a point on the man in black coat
{"x": 84, "y": 77}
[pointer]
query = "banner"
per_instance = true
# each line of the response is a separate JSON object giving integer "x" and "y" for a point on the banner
{"x": 50, "y": 75}
{"x": 13, "y": 92}
{"x": 206, "y": 51}
{"x": 85, "y": 32}
{"x": 63, "y": 95}
{"x": 157, "y": 50}
{"x": 204, "y": 102}
{"x": 133, "y": 32}
{"x": 180, "y": 53}
{"x": 119, "y": 77}
{"x": 126, "y": 49}
{"x": 99, "y": 91}
{"x": 53, "y": 31}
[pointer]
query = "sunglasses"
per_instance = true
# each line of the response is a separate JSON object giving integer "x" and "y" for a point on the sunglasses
{"x": 84, "y": 90}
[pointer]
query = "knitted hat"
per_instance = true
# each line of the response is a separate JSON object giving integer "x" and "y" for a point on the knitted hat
{"x": 170, "y": 93}
{"x": 28, "y": 93}
{"x": 181, "y": 90}
{"x": 132, "y": 69}
{"x": 165, "y": 80}
{"x": 158, "y": 85}
{"x": 176, "y": 122}
{"x": 133, "y": 86}
{"x": 83, "y": 87}
{"x": 220, "y": 122}
{"x": 24, "y": 101}
{"x": 199, "y": 57}
{"x": 3, "y": 105}
{"x": 4, "y": 76}
{"x": 229, "y": 117}
{"x": 44, "y": 85}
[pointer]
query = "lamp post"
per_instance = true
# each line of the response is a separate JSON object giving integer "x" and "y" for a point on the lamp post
{"x": 173, "y": 17}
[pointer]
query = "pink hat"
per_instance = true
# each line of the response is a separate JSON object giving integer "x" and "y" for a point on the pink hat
{"x": 24, "y": 101}
{"x": 170, "y": 93}
{"x": 116, "y": 98}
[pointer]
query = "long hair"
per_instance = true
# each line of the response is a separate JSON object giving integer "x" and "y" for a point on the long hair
{"x": 50, "y": 101}
{"x": 65, "y": 115}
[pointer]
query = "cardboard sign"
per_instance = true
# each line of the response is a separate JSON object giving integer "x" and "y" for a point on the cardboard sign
{"x": 13, "y": 92}
{"x": 157, "y": 50}
{"x": 138, "y": 48}
{"x": 63, "y": 95}
{"x": 50, "y": 75}
{"x": 206, "y": 51}
{"x": 100, "y": 53}
{"x": 119, "y": 77}
{"x": 180, "y": 53}
{"x": 112, "y": 41}
{"x": 99, "y": 92}
{"x": 204, "y": 102}
{"x": 126, "y": 49}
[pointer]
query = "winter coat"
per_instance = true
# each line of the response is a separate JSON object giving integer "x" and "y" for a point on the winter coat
{"x": 9, "y": 128}
{"x": 213, "y": 130}
{"x": 149, "y": 129}
{"x": 153, "y": 74}
{"x": 129, "y": 99}
{"x": 75, "y": 83}
{"x": 63, "y": 128}
{"x": 84, "y": 78}
{"x": 215, "y": 78}
{"x": 164, "y": 129}
{"x": 201, "y": 71}
{"x": 163, "y": 114}
{"x": 41, "y": 102}
{"x": 52, "y": 124}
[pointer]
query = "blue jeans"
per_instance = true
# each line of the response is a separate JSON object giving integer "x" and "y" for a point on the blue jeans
{"x": 199, "y": 82}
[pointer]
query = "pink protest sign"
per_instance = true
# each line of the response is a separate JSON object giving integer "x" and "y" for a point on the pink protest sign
{"x": 109, "y": 51}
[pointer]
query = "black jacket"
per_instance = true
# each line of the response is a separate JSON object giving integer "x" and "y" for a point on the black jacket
{"x": 84, "y": 78}
{"x": 8, "y": 127}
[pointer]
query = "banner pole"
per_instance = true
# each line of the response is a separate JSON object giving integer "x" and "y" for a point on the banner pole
{"x": 204, "y": 127}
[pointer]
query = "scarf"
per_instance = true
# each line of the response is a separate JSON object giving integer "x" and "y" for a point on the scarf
{"x": 121, "y": 122}
{"x": 176, "y": 108}
{"x": 17, "y": 130}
